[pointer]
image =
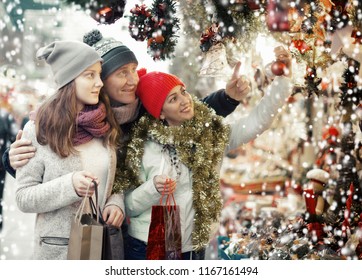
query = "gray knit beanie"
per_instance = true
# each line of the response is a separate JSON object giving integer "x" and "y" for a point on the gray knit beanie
{"x": 114, "y": 53}
{"x": 68, "y": 59}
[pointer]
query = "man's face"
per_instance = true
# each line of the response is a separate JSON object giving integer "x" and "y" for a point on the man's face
{"x": 121, "y": 85}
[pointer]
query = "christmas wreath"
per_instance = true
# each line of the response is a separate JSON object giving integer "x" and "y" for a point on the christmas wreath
{"x": 158, "y": 25}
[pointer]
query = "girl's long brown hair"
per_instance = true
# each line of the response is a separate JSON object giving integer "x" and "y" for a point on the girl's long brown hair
{"x": 56, "y": 121}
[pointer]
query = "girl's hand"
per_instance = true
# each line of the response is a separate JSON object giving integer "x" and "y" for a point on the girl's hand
{"x": 113, "y": 215}
{"x": 83, "y": 181}
{"x": 164, "y": 184}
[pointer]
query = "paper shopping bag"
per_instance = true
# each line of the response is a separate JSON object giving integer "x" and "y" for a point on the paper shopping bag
{"x": 113, "y": 248}
{"x": 86, "y": 236}
{"x": 156, "y": 248}
{"x": 172, "y": 233}
{"x": 164, "y": 237}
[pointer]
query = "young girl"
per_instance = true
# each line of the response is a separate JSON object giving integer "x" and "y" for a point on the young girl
{"x": 75, "y": 137}
{"x": 189, "y": 140}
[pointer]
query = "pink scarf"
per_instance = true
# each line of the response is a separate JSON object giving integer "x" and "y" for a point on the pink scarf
{"x": 91, "y": 123}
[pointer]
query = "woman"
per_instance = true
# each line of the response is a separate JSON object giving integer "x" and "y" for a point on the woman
{"x": 75, "y": 137}
{"x": 189, "y": 140}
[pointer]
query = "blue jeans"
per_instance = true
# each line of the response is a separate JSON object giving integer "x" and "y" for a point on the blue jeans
{"x": 135, "y": 249}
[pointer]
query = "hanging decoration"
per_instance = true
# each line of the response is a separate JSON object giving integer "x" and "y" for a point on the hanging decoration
{"x": 234, "y": 27}
{"x": 139, "y": 26}
{"x": 158, "y": 26}
{"x": 215, "y": 63}
{"x": 350, "y": 92}
{"x": 310, "y": 44}
{"x": 105, "y": 12}
{"x": 327, "y": 156}
{"x": 312, "y": 81}
{"x": 355, "y": 15}
{"x": 338, "y": 16}
{"x": 278, "y": 68}
{"x": 277, "y": 15}
{"x": 210, "y": 37}
{"x": 239, "y": 20}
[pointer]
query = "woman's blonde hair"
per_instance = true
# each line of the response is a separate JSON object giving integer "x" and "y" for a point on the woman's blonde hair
{"x": 56, "y": 121}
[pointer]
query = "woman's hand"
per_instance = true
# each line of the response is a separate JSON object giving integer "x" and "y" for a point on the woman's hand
{"x": 83, "y": 183}
{"x": 283, "y": 55}
{"x": 113, "y": 215}
{"x": 164, "y": 184}
{"x": 238, "y": 86}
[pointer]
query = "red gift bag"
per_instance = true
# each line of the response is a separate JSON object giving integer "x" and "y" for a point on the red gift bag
{"x": 164, "y": 237}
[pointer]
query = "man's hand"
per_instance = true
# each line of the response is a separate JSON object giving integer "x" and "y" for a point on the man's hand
{"x": 238, "y": 86}
{"x": 20, "y": 151}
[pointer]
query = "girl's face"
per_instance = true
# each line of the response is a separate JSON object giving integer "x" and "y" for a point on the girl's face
{"x": 88, "y": 85}
{"x": 178, "y": 107}
{"x": 121, "y": 85}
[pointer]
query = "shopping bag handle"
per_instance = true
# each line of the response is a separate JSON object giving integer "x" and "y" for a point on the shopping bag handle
{"x": 81, "y": 206}
{"x": 95, "y": 207}
{"x": 169, "y": 197}
{"x": 95, "y": 210}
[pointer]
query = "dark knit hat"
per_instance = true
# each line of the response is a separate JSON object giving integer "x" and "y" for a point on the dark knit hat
{"x": 153, "y": 89}
{"x": 113, "y": 52}
{"x": 68, "y": 59}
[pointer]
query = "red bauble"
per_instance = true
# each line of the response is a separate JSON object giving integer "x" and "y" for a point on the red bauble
{"x": 278, "y": 68}
{"x": 277, "y": 15}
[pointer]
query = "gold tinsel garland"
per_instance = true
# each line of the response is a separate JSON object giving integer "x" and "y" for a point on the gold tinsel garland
{"x": 200, "y": 145}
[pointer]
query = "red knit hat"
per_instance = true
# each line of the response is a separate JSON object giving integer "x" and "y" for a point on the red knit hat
{"x": 153, "y": 89}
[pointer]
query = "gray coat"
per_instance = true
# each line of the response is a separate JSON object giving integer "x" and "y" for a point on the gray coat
{"x": 45, "y": 187}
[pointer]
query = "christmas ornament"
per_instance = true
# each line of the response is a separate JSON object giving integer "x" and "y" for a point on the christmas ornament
{"x": 278, "y": 68}
{"x": 108, "y": 12}
{"x": 254, "y": 4}
{"x": 105, "y": 12}
{"x": 158, "y": 25}
{"x": 237, "y": 20}
{"x": 300, "y": 45}
{"x": 277, "y": 15}
{"x": 312, "y": 81}
{"x": 215, "y": 62}
{"x": 139, "y": 25}
{"x": 338, "y": 16}
{"x": 209, "y": 37}
{"x": 350, "y": 92}
{"x": 357, "y": 35}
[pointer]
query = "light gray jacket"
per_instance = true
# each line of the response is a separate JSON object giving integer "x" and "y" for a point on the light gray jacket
{"x": 45, "y": 187}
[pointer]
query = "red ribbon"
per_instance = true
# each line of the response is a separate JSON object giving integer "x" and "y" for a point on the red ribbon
{"x": 140, "y": 10}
